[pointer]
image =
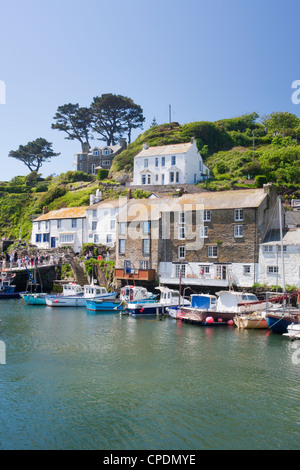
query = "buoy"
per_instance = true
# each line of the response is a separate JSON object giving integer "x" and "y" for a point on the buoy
{"x": 220, "y": 320}
{"x": 209, "y": 320}
{"x": 230, "y": 322}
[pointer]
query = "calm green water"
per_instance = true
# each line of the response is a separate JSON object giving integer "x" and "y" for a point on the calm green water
{"x": 78, "y": 380}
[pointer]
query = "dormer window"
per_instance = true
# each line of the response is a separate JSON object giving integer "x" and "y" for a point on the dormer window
{"x": 96, "y": 152}
{"x": 106, "y": 152}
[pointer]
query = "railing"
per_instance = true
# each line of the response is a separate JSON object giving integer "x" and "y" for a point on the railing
{"x": 138, "y": 274}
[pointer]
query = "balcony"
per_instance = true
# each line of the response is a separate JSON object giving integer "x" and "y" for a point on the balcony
{"x": 193, "y": 280}
{"x": 136, "y": 275}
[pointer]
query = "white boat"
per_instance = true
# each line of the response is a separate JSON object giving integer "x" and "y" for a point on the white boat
{"x": 78, "y": 297}
{"x": 204, "y": 302}
{"x": 293, "y": 331}
{"x": 168, "y": 298}
{"x": 131, "y": 294}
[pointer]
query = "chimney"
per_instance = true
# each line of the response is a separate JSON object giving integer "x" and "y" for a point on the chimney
{"x": 193, "y": 140}
{"x": 145, "y": 146}
{"x": 123, "y": 143}
{"x": 45, "y": 210}
{"x": 92, "y": 199}
{"x": 85, "y": 147}
{"x": 98, "y": 196}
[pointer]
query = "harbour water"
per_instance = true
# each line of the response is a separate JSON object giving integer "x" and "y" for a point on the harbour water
{"x": 79, "y": 380}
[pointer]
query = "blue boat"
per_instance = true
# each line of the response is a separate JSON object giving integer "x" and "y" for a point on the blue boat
{"x": 7, "y": 289}
{"x": 105, "y": 306}
{"x": 279, "y": 321}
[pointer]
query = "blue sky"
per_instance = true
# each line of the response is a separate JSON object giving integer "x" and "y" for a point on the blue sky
{"x": 208, "y": 59}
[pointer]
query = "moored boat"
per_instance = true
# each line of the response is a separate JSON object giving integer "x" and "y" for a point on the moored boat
{"x": 105, "y": 306}
{"x": 7, "y": 289}
{"x": 255, "y": 320}
{"x": 168, "y": 298}
{"x": 79, "y": 296}
{"x": 293, "y": 331}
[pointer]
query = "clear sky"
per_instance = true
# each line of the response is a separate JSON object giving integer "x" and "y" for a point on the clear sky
{"x": 208, "y": 59}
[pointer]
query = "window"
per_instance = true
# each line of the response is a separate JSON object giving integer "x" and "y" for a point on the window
{"x": 246, "y": 269}
{"x": 59, "y": 224}
{"x": 162, "y": 179}
{"x": 156, "y": 178}
{"x": 122, "y": 227}
{"x": 144, "y": 264}
{"x": 96, "y": 153}
{"x": 146, "y": 163}
{"x": 212, "y": 251}
{"x": 171, "y": 176}
{"x": 66, "y": 238}
{"x": 268, "y": 248}
{"x": 96, "y": 238}
{"x": 47, "y": 225}
{"x": 146, "y": 227}
{"x": 93, "y": 169}
{"x": 146, "y": 246}
{"x": 181, "y": 252}
{"x": 239, "y": 231}
{"x": 74, "y": 223}
{"x": 94, "y": 225}
{"x": 45, "y": 237}
{"x": 173, "y": 160}
{"x": 272, "y": 269}
{"x": 204, "y": 270}
{"x": 94, "y": 213}
{"x": 207, "y": 216}
{"x": 38, "y": 237}
{"x": 122, "y": 246}
{"x": 177, "y": 176}
{"x": 238, "y": 215}
{"x": 112, "y": 224}
{"x": 39, "y": 225}
{"x": 163, "y": 161}
{"x": 143, "y": 179}
{"x": 149, "y": 179}
{"x": 181, "y": 232}
{"x": 107, "y": 152}
{"x": 181, "y": 217}
{"x": 106, "y": 162}
{"x": 279, "y": 249}
{"x": 178, "y": 268}
{"x": 204, "y": 231}
{"x": 109, "y": 238}
{"x": 156, "y": 162}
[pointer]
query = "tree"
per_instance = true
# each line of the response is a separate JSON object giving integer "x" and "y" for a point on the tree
{"x": 75, "y": 121}
{"x": 279, "y": 122}
{"x": 114, "y": 115}
{"x": 34, "y": 154}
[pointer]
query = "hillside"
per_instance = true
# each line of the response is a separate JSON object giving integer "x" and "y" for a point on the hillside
{"x": 226, "y": 146}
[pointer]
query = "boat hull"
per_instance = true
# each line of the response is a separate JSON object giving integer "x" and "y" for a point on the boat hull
{"x": 279, "y": 323}
{"x": 202, "y": 316}
{"x": 141, "y": 309}
{"x": 9, "y": 295}
{"x": 250, "y": 322}
{"x": 35, "y": 299}
{"x": 105, "y": 306}
{"x": 69, "y": 301}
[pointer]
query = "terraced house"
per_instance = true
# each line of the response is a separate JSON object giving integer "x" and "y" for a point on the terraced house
{"x": 206, "y": 239}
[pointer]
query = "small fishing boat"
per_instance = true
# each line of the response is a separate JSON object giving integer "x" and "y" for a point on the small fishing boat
{"x": 80, "y": 296}
{"x": 255, "y": 320}
{"x": 105, "y": 306}
{"x": 136, "y": 293}
{"x": 278, "y": 321}
{"x": 293, "y": 331}
{"x": 34, "y": 294}
{"x": 168, "y": 298}
{"x": 7, "y": 289}
{"x": 203, "y": 311}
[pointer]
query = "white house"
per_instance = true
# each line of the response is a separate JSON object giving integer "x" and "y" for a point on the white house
{"x": 273, "y": 269}
{"x": 169, "y": 164}
{"x": 57, "y": 228}
{"x": 101, "y": 219}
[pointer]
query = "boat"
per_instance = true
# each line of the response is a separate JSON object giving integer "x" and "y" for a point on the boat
{"x": 199, "y": 302}
{"x": 136, "y": 293}
{"x": 105, "y": 306}
{"x": 255, "y": 320}
{"x": 168, "y": 298}
{"x": 293, "y": 331}
{"x": 32, "y": 296}
{"x": 76, "y": 296}
{"x": 7, "y": 289}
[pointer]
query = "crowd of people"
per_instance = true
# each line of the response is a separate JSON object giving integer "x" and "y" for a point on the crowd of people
{"x": 16, "y": 260}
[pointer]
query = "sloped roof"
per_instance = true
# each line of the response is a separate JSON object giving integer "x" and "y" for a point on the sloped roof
{"x": 65, "y": 213}
{"x": 165, "y": 150}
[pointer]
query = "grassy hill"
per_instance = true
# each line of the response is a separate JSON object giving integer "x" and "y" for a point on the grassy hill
{"x": 240, "y": 153}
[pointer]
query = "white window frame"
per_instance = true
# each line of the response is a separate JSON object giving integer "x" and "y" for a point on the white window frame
{"x": 246, "y": 269}
{"x": 238, "y": 215}
{"x": 181, "y": 232}
{"x": 179, "y": 267}
{"x": 146, "y": 246}
{"x": 204, "y": 231}
{"x": 146, "y": 162}
{"x": 272, "y": 270}
{"x": 181, "y": 252}
{"x": 268, "y": 248}
{"x": 212, "y": 251}
{"x": 122, "y": 228}
{"x": 207, "y": 216}
{"x": 122, "y": 246}
{"x": 238, "y": 231}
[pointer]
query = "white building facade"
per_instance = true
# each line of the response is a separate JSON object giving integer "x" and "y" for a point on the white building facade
{"x": 58, "y": 228}
{"x": 169, "y": 164}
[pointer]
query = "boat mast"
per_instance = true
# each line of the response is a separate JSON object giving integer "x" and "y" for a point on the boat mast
{"x": 281, "y": 242}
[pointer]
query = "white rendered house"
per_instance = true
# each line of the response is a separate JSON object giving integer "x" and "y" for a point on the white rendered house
{"x": 57, "y": 228}
{"x": 169, "y": 164}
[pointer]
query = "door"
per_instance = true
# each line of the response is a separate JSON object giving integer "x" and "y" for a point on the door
{"x": 52, "y": 242}
{"x": 221, "y": 271}
{"x": 127, "y": 266}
